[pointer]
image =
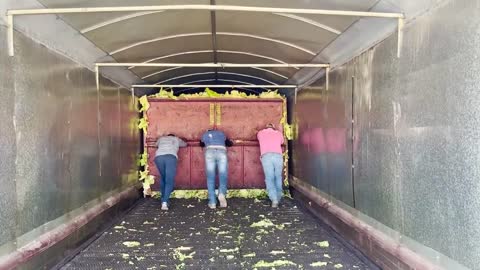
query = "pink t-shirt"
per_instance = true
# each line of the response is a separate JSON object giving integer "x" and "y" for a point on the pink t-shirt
{"x": 270, "y": 141}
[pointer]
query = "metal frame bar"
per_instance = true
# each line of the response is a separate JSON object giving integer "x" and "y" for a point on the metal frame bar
{"x": 117, "y": 19}
{"x": 208, "y": 34}
{"x": 141, "y": 14}
{"x": 311, "y": 22}
{"x": 205, "y": 7}
{"x": 399, "y": 16}
{"x": 211, "y": 51}
{"x": 401, "y": 23}
{"x": 11, "y": 49}
{"x": 219, "y": 65}
{"x": 212, "y": 72}
{"x": 327, "y": 78}
{"x": 213, "y": 86}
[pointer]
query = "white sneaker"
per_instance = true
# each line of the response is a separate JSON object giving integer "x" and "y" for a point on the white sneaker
{"x": 212, "y": 206}
{"x": 222, "y": 200}
{"x": 164, "y": 206}
{"x": 274, "y": 204}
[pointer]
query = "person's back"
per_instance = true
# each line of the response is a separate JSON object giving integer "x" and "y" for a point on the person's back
{"x": 166, "y": 161}
{"x": 215, "y": 142}
{"x": 169, "y": 145}
{"x": 271, "y": 141}
{"x": 215, "y": 138}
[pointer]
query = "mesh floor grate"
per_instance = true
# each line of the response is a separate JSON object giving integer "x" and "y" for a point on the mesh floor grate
{"x": 191, "y": 236}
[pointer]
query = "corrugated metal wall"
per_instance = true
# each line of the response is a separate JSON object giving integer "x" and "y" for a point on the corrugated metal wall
{"x": 417, "y": 141}
{"x": 62, "y": 143}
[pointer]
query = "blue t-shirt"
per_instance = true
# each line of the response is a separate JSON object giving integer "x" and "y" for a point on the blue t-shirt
{"x": 214, "y": 137}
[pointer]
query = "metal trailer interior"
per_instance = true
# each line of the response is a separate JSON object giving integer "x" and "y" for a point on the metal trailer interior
{"x": 382, "y": 103}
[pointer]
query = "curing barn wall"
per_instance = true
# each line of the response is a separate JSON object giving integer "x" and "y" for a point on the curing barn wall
{"x": 417, "y": 140}
{"x": 64, "y": 145}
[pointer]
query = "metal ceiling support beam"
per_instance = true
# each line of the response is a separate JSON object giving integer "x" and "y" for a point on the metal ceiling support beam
{"x": 11, "y": 50}
{"x": 327, "y": 78}
{"x": 186, "y": 76}
{"x": 162, "y": 38}
{"x": 311, "y": 22}
{"x": 117, "y": 19}
{"x": 158, "y": 72}
{"x": 97, "y": 78}
{"x": 213, "y": 86}
{"x": 213, "y": 24}
{"x": 141, "y": 14}
{"x": 189, "y": 7}
{"x": 272, "y": 72}
{"x": 400, "y": 36}
{"x": 205, "y": 7}
{"x": 212, "y": 72}
{"x": 173, "y": 55}
{"x": 211, "y": 51}
{"x": 220, "y": 80}
{"x": 219, "y": 65}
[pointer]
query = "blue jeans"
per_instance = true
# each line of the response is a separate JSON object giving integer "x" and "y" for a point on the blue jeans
{"x": 167, "y": 166}
{"x": 216, "y": 158}
{"x": 273, "y": 169}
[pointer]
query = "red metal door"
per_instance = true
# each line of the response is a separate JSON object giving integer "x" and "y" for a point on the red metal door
{"x": 189, "y": 119}
{"x": 241, "y": 120}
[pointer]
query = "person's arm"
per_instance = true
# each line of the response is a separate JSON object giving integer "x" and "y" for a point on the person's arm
{"x": 202, "y": 142}
{"x": 228, "y": 142}
{"x": 181, "y": 143}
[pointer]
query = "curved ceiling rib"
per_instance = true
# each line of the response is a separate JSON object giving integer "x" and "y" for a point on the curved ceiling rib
{"x": 221, "y": 80}
{"x": 310, "y": 21}
{"x": 208, "y": 34}
{"x": 186, "y": 76}
{"x": 245, "y": 75}
{"x": 140, "y": 14}
{"x": 270, "y": 71}
{"x": 212, "y": 72}
{"x": 202, "y": 81}
{"x": 158, "y": 72}
{"x": 211, "y": 51}
{"x": 173, "y": 55}
{"x": 257, "y": 68}
{"x": 118, "y": 19}
{"x": 218, "y": 51}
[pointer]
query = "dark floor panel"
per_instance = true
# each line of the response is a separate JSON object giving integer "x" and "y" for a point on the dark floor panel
{"x": 191, "y": 236}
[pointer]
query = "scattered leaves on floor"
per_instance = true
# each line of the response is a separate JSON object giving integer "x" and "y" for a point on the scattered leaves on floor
{"x": 318, "y": 264}
{"x": 323, "y": 244}
{"x": 276, "y": 263}
{"x": 131, "y": 244}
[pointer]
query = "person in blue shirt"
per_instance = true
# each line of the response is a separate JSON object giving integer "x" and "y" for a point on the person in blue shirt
{"x": 216, "y": 143}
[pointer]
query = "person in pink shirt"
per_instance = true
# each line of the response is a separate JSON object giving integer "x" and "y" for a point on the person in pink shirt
{"x": 271, "y": 141}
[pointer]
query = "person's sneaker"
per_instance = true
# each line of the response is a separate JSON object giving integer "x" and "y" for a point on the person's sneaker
{"x": 212, "y": 206}
{"x": 274, "y": 204}
{"x": 222, "y": 200}
{"x": 164, "y": 206}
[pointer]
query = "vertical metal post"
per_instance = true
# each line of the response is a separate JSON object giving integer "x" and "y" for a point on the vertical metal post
{"x": 132, "y": 90}
{"x": 97, "y": 78}
{"x": 11, "y": 50}
{"x": 352, "y": 134}
{"x": 296, "y": 91}
{"x": 327, "y": 77}
{"x": 400, "y": 36}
